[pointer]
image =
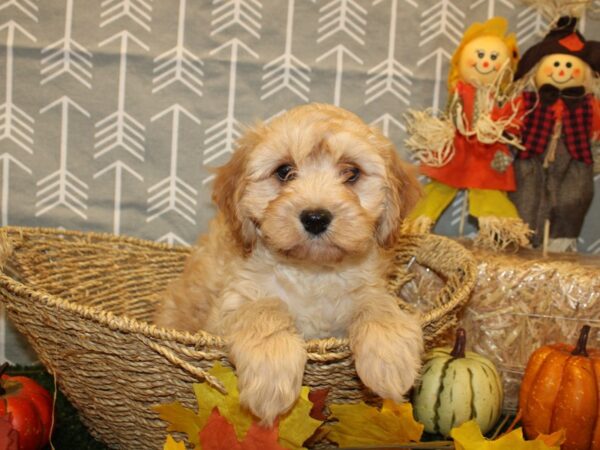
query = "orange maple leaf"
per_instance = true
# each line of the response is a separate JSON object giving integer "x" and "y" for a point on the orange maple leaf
{"x": 219, "y": 434}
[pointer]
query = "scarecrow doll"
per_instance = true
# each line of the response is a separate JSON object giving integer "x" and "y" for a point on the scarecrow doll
{"x": 479, "y": 162}
{"x": 555, "y": 172}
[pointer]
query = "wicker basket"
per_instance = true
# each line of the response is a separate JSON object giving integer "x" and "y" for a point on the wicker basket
{"x": 85, "y": 301}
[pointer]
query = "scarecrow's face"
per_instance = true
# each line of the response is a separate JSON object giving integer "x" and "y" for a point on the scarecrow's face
{"x": 482, "y": 59}
{"x": 562, "y": 71}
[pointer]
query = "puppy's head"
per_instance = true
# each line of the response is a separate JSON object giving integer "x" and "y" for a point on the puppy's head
{"x": 316, "y": 184}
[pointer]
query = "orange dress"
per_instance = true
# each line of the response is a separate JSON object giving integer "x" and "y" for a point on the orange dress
{"x": 471, "y": 166}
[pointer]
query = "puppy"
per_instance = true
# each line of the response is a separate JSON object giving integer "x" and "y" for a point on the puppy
{"x": 309, "y": 206}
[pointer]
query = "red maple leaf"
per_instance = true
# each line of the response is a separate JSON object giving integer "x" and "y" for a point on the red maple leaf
{"x": 318, "y": 397}
{"x": 219, "y": 434}
{"x": 9, "y": 437}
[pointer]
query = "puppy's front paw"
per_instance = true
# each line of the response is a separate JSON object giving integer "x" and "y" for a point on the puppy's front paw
{"x": 270, "y": 376}
{"x": 388, "y": 356}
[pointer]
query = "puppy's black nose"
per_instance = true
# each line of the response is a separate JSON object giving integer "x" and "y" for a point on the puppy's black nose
{"x": 315, "y": 221}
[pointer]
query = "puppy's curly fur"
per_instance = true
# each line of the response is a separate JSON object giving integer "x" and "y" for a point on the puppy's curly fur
{"x": 309, "y": 204}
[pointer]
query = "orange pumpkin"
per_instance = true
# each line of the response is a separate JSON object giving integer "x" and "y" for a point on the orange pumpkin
{"x": 561, "y": 389}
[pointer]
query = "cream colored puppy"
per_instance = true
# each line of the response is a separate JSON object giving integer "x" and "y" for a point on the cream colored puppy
{"x": 308, "y": 206}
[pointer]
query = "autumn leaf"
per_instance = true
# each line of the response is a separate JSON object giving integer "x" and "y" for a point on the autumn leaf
{"x": 229, "y": 405}
{"x": 362, "y": 425}
{"x": 260, "y": 438}
{"x": 318, "y": 397}
{"x": 468, "y": 437}
{"x": 295, "y": 427}
{"x": 219, "y": 434}
{"x": 182, "y": 419}
{"x": 172, "y": 444}
{"x": 8, "y": 435}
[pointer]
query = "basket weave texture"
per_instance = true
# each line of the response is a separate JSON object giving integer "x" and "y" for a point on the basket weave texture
{"x": 85, "y": 302}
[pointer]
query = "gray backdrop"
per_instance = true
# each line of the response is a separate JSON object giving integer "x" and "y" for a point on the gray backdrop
{"x": 112, "y": 111}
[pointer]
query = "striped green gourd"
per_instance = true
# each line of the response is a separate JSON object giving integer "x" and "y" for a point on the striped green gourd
{"x": 455, "y": 387}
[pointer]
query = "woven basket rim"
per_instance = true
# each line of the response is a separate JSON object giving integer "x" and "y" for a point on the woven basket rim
{"x": 122, "y": 323}
{"x": 133, "y": 325}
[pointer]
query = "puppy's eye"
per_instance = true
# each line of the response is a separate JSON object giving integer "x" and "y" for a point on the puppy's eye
{"x": 285, "y": 172}
{"x": 351, "y": 174}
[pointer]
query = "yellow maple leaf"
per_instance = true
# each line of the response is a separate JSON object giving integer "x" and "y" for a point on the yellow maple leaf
{"x": 295, "y": 427}
{"x": 172, "y": 444}
{"x": 182, "y": 419}
{"x": 362, "y": 425}
{"x": 468, "y": 437}
{"x": 229, "y": 405}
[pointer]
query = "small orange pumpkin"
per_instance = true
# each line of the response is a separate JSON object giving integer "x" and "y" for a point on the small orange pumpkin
{"x": 561, "y": 389}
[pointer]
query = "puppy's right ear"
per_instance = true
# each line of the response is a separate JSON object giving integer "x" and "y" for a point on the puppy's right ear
{"x": 229, "y": 187}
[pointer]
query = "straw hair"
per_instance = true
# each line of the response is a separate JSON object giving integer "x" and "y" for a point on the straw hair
{"x": 85, "y": 301}
{"x": 554, "y": 9}
{"x": 430, "y": 137}
{"x": 496, "y": 26}
{"x": 502, "y": 233}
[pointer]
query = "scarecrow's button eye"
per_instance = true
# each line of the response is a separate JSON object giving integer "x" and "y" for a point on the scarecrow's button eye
{"x": 569, "y": 65}
{"x": 480, "y": 54}
{"x": 494, "y": 56}
{"x": 556, "y": 63}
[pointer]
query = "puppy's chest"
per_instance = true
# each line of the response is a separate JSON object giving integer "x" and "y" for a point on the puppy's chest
{"x": 321, "y": 303}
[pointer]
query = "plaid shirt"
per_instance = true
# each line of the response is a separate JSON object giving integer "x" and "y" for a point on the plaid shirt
{"x": 539, "y": 124}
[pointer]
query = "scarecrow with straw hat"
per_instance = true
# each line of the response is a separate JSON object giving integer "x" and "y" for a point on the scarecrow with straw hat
{"x": 554, "y": 172}
{"x": 467, "y": 149}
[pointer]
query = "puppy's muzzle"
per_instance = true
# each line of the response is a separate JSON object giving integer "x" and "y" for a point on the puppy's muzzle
{"x": 315, "y": 221}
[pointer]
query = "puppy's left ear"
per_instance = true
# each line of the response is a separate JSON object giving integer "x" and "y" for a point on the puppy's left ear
{"x": 230, "y": 184}
{"x": 403, "y": 191}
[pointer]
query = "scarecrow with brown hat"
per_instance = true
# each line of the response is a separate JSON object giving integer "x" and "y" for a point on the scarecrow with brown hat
{"x": 554, "y": 172}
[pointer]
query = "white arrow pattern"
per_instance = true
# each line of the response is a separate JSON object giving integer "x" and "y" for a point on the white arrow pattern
{"x": 245, "y": 13}
{"x": 27, "y": 7}
{"x": 491, "y": 6}
{"x": 120, "y": 129}
{"x": 343, "y": 16}
{"x": 439, "y": 56}
{"x": 442, "y": 19}
{"x": 120, "y": 168}
{"x": 6, "y": 160}
{"x": 62, "y": 187}
{"x": 172, "y": 239}
{"x": 140, "y": 11}
{"x": 390, "y": 76}
{"x": 531, "y": 25}
{"x": 67, "y": 56}
{"x": 15, "y": 124}
{"x": 178, "y": 64}
{"x": 172, "y": 193}
{"x": 221, "y": 137}
{"x": 339, "y": 51}
{"x": 287, "y": 71}
{"x": 385, "y": 122}
{"x": 594, "y": 247}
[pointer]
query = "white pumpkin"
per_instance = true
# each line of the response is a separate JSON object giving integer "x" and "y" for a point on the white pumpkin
{"x": 455, "y": 387}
